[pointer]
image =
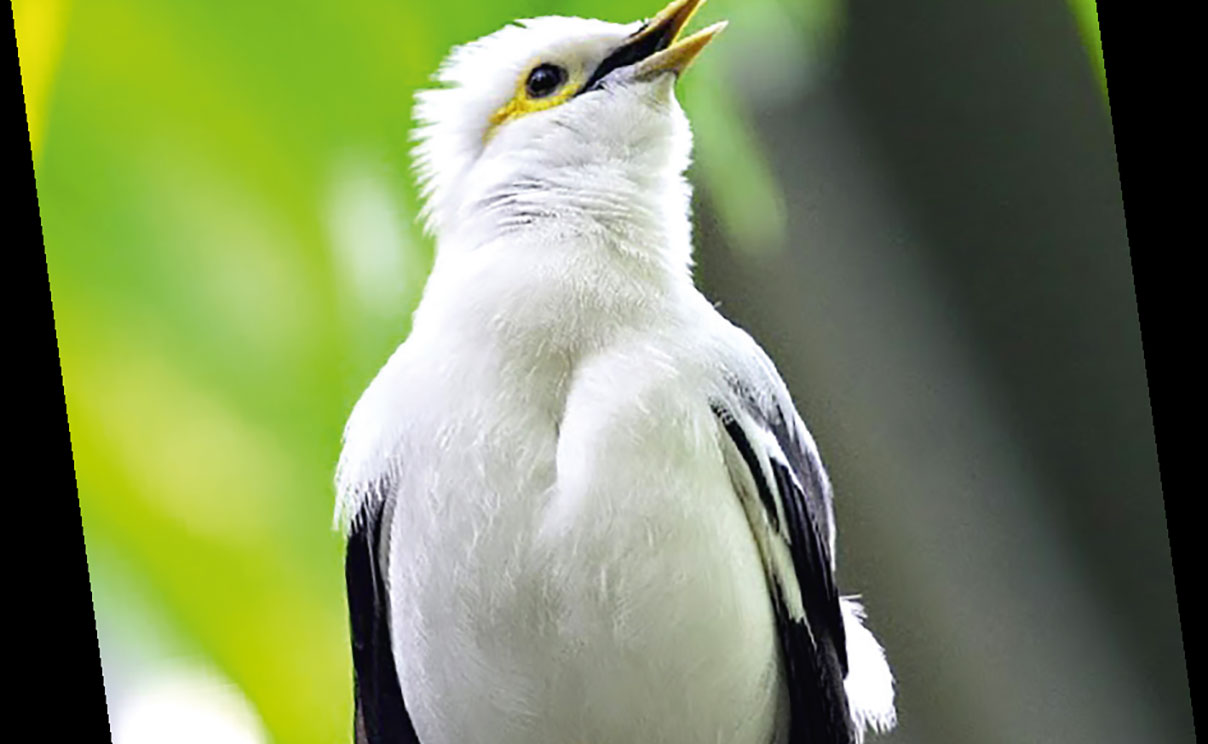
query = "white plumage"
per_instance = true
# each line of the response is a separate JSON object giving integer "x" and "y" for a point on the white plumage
{"x": 557, "y": 536}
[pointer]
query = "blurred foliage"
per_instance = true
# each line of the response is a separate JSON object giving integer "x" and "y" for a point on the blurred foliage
{"x": 1086, "y": 12}
{"x": 228, "y": 218}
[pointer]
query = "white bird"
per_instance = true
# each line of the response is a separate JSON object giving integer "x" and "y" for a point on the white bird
{"x": 582, "y": 508}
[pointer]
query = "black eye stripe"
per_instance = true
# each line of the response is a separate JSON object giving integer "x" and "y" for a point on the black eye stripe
{"x": 544, "y": 80}
{"x": 627, "y": 54}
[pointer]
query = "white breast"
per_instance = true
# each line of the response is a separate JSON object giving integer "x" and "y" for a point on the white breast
{"x": 585, "y": 577}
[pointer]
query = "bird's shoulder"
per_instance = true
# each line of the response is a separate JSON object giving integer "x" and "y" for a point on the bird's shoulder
{"x": 755, "y": 403}
{"x": 697, "y": 353}
{"x": 398, "y": 398}
{"x": 689, "y": 355}
{"x": 749, "y": 384}
{"x": 698, "y": 361}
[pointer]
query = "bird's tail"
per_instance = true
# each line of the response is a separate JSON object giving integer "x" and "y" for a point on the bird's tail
{"x": 869, "y": 683}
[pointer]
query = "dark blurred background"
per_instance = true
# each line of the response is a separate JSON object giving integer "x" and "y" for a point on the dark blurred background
{"x": 955, "y": 313}
{"x": 914, "y": 207}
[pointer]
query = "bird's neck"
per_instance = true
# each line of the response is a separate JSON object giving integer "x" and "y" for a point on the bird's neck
{"x": 549, "y": 269}
{"x": 633, "y": 206}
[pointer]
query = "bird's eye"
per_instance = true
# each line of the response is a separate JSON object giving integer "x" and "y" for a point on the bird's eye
{"x": 544, "y": 80}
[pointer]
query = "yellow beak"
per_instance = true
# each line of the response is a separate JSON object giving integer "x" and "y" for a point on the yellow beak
{"x": 661, "y": 35}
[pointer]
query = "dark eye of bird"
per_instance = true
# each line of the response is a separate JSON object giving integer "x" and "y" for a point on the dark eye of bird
{"x": 544, "y": 80}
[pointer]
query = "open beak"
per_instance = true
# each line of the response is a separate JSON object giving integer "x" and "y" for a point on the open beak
{"x": 656, "y": 47}
{"x": 661, "y": 36}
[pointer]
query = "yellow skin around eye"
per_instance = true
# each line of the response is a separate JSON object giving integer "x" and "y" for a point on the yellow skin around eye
{"x": 522, "y": 104}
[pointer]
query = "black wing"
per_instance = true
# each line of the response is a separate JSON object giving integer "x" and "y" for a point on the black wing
{"x": 788, "y": 500}
{"x": 381, "y": 716}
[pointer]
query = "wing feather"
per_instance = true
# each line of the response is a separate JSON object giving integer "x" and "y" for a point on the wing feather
{"x": 793, "y": 496}
{"x": 381, "y": 716}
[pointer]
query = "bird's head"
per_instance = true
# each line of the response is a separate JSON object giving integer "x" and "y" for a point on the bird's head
{"x": 552, "y": 106}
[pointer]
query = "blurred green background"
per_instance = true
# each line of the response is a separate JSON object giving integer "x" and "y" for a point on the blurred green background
{"x": 914, "y": 208}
